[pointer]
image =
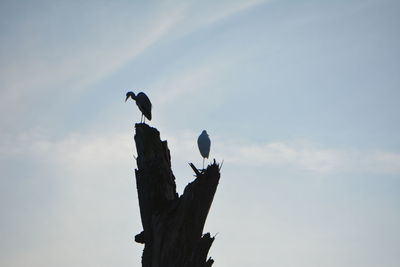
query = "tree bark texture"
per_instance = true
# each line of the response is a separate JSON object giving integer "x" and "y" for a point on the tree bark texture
{"x": 172, "y": 224}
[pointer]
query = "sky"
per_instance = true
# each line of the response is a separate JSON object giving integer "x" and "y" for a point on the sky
{"x": 300, "y": 99}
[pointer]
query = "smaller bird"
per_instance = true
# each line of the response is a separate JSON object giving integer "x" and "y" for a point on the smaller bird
{"x": 143, "y": 102}
{"x": 204, "y": 144}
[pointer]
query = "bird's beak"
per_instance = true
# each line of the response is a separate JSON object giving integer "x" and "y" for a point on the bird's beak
{"x": 126, "y": 98}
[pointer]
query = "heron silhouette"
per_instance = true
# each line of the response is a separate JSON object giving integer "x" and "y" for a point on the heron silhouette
{"x": 204, "y": 144}
{"x": 143, "y": 102}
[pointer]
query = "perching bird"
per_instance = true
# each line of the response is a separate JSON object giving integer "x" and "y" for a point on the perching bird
{"x": 204, "y": 144}
{"x": 143, "y": 102}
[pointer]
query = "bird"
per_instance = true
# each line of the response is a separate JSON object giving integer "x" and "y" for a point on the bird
{"x": 204, "y": 144}
{"x": 143, "y": 102}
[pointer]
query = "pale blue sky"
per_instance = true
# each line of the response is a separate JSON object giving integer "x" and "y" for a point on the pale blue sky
{"x": 300, "y": 99}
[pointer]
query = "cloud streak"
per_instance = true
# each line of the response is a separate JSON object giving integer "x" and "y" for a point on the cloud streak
{"x": 298, "y": 155}
{"x": 304, "y": 156}
{"x": 77, "y": 66}
{"x": 99, "y": 50}
{"x": 85, "y": 151}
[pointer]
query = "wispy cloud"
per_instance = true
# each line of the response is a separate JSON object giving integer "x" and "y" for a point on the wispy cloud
{"x": 200, "y": 15}
{"x": 87, "y": 151}
{"x": 94, "y": 57}
{"x": 299, "y": 155}
{"x": 284, "y": 155}
{"x": 309, "y": 157}
{"x": 40, "y": 67}
{"x": 189, "y": 81}
{"x": 76, "y": 151}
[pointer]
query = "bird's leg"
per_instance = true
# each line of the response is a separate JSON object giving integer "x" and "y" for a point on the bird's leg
{"x": 141, "y": 118}
{"x": 203, "y": 163}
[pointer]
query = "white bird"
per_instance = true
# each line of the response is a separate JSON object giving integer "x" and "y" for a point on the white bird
{"x": 143, "y": 102}
{"x": 204, "y": 144}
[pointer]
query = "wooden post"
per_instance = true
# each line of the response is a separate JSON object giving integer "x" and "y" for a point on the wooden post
{"x": 172, "y": 224}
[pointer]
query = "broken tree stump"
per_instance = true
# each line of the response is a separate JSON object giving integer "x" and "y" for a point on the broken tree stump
{"x": 172, "y": 224}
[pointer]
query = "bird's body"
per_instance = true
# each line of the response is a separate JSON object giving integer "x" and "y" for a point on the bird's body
{"x": 143, "y": 102}
{"x": 204, "y": 144}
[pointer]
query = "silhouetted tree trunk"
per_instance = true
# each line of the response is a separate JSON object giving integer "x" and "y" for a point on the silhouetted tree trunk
{"x": 172, "y": 224}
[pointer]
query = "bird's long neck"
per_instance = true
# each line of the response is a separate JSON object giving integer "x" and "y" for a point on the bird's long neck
{"x": 133, "y": 96}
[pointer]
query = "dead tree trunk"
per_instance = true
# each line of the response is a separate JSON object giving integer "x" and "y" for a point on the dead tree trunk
{"x": 172, "y": 224}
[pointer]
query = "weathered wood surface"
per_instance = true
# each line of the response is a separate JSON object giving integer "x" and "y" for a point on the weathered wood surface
{"x": 172, "y": 224}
